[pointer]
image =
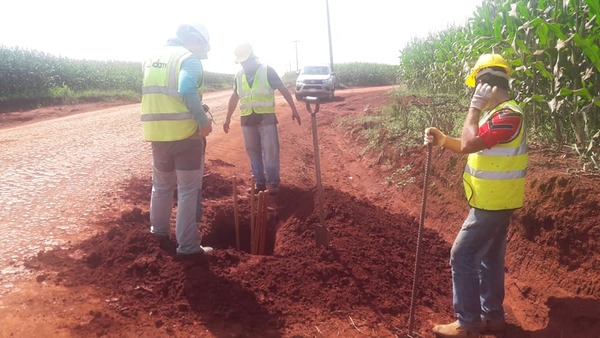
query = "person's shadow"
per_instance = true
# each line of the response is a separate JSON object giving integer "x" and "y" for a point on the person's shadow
{"x": 226, "y": 308}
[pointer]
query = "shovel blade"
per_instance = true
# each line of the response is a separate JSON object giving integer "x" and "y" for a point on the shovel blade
{"x": 322, "y": 236}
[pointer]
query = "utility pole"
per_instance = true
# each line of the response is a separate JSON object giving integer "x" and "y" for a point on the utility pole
{"x": 296, "y": 45}
{"x": 329, "y": 31}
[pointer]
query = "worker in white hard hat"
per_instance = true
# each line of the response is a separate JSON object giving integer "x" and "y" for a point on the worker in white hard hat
{"x": 254, "y": 88}
{"x": 175, "y": 121}
{"x": 494, "y": 136}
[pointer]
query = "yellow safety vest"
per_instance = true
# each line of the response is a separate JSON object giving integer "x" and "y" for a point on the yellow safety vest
{"x": 258, "y": 98}
{"x": 164, "y": 115}
{"x": 494, "y": 179}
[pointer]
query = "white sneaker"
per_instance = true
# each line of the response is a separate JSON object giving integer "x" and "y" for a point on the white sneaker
{"x": 207, "y": 249}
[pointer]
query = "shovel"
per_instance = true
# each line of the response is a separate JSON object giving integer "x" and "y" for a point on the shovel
{"x": 321, "y": 232}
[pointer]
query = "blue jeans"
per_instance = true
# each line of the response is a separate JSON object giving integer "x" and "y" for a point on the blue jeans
{"x": 477, "y": 261}
{"x": 262, "y": 146}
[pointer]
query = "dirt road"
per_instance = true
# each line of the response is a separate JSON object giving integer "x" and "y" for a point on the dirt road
{"x": 58, "y": 173}
{"x": 76, "y": 188}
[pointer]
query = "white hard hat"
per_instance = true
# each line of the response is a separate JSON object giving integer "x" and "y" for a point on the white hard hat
{"x": 202, "y": 30}
{"x": 198, "y": 27}
{"x": 243, "y": 52}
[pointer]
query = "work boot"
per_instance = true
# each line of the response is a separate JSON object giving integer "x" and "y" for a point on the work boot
{"x": 454, "y": 330}
{"x": 492, "y": 325}
{"x": 273, "y": 189}
{"x": 165, "y": 243}
{"x": 194, "y": 255}
{"x": 257, "y": 188}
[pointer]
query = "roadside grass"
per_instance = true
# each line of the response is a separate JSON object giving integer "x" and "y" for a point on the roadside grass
{"x": 401, "y": 121}
{"x": 65, "y": 95}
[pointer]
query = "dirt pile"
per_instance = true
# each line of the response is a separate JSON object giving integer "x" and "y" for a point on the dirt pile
{"x": 367, "y": 274}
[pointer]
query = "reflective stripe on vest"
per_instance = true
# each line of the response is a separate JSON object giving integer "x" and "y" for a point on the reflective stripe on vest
{"x": 164, "y": 115}
{"x": 494, "y": 179}
{"x": 260, "y": 98}
{"x": 167, "y": 116}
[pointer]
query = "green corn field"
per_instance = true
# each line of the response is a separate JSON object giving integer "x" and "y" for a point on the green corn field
{"x": 38, "y": 78}
{"x": 553, "y": 48}
{"x": 41, "y": 78}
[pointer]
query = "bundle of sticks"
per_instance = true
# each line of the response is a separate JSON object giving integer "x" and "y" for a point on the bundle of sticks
{"x": 258, "y": 219}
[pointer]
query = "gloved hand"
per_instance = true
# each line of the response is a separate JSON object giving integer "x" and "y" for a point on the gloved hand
{"x": 483, "y": 96}
{"x": 434, "y": 136}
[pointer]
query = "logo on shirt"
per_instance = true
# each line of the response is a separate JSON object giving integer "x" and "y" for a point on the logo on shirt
{"x": 156, "y": 64}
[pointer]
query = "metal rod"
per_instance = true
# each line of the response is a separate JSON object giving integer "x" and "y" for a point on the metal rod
{"x": 420, "y": 233}
{"x": 236, "y": 214}
{"x": 252, "y": 218}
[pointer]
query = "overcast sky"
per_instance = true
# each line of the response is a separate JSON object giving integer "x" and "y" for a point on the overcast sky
{"x": 361, "y": 31}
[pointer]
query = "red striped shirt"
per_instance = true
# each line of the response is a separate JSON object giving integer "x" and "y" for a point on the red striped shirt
{"x": 502, "y": 127}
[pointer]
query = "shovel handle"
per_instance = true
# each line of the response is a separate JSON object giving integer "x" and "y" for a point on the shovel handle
{"x": 318, "y": 168}
{"x": 309, "y": 100}
{"x": 321, "y": 232}
{"x": 236, "y": 214}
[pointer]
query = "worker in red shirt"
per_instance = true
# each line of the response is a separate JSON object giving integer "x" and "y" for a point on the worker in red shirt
{"x": 494, "y": 136}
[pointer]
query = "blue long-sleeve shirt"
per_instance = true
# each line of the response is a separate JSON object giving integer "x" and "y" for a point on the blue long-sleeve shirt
{"x": 190, "y": 78}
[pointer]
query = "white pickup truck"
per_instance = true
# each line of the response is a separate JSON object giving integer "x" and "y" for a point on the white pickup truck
{"x": 317, "y": 80}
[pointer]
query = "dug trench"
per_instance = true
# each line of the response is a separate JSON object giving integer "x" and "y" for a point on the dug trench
{"x": 361, "y": 285}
